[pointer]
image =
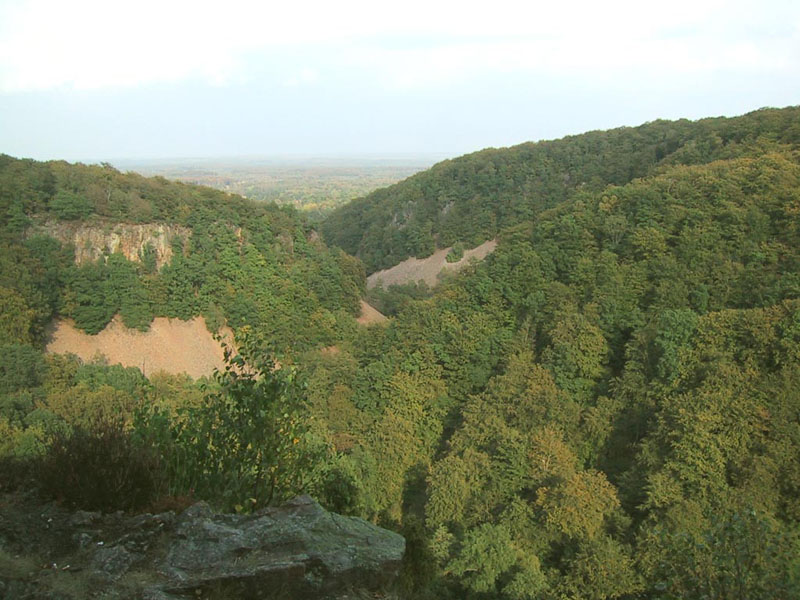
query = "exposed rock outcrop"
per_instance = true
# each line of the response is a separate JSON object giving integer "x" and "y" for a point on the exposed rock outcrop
{"x": 93, "y": 242}
{"x": 298, "y": 550}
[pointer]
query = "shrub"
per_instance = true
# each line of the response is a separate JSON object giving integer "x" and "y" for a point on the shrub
{"x": 100, "y": 469}
{"x": 245, "y": 446}
{"x": 340, "y": 490}
{"x": 456, "y": 253}
{"x": 70, "y": 206}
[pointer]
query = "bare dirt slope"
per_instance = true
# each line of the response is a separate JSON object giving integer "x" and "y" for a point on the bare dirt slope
{"x": 412, "y": 270}
{"x": 170, "y": 345}
{"x": 370, "y": 315}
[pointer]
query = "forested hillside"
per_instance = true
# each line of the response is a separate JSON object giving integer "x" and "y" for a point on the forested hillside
{"x": 258, "y": 268}
{"x": 608, "y": 406}
{"x": 471, "y": 198}
{"x": 242, "y": 262}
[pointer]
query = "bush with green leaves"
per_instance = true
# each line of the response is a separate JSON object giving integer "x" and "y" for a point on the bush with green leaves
{"x": 246, "y": 445}
{"x": 456, "y": 253}
{"x": 103, "y": 468}
{"x": 70, "y": 206}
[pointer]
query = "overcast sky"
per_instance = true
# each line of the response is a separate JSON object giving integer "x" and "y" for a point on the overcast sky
{"x": 102, "y": 79}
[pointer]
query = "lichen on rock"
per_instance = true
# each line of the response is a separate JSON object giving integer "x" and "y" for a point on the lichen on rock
{"x": 298, "y": 550}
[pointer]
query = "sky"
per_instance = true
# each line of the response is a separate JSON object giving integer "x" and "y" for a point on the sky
{"x": 95, "y": 80}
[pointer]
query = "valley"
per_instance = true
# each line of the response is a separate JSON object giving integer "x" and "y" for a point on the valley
{"x": 600, "y": 398}
{"x": 314, "y": 185}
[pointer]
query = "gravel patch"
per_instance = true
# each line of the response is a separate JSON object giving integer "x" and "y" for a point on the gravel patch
{"x": 412, "y": 270}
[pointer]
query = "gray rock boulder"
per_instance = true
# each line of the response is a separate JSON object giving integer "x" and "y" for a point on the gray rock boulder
{"x": 296, "y": 551}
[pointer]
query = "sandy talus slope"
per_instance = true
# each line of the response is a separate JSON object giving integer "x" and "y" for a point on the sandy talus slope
{"x": 170, "y": 345}
{"x": 370, "y": 315}
{"x": 427, "y": 269}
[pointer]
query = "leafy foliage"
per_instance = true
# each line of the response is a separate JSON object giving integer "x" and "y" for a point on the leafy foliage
{"x": 104, "y": 468}
{"x": 244, "y": 446}
{"x": 471, "y": 198}
{"x": 607, "y": 407}
{"x": 738, "y": 556}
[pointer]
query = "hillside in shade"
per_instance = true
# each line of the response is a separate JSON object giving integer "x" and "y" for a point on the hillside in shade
{"x": 471, "y": 198}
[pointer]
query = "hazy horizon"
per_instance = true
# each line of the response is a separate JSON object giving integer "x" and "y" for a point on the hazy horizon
{"x": 282, "y": 159}
{"x": 344, "y": 158}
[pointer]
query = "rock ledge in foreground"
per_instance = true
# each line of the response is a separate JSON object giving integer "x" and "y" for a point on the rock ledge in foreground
{"x": 298, "y": 550}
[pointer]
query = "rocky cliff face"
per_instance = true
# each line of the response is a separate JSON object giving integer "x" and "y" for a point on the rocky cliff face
{"x": 93, "y": 242}
{"x": 296, "y": 551}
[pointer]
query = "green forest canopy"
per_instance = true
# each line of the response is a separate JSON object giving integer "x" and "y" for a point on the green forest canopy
{"x": 471, "y": 198}
{"x": 607, "y": 407}
{"x": 247, "y": 263}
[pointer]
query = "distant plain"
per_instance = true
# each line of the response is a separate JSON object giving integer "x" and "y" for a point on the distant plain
{"x": 315, "y": 185}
